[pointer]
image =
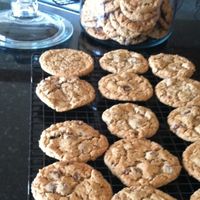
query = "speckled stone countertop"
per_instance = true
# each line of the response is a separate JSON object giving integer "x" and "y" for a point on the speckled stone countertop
{"x": 15, "y": 101}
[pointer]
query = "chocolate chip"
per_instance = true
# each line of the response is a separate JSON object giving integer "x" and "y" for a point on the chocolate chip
{"x": 126, "y": 88}
{"x": 77, "y": 177}
{"x": 127, "y": 171}
{"x": 175, "y": 127}
{"x": 54, "y": 136}
{"x": 186, "y": 112}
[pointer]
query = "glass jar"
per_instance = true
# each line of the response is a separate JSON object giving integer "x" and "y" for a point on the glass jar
{"x": 128, "y": 23}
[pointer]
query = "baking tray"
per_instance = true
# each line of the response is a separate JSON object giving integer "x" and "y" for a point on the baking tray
{"x": 42, "y": 117}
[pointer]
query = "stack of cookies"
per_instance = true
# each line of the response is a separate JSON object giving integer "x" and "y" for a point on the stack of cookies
{"x": 127, "y": 22}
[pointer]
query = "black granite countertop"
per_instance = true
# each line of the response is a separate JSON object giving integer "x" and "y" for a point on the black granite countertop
{"x": 15, "y": 101}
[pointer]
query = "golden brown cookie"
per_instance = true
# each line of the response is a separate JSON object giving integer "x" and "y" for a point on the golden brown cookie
{"x": 178, "y": 92}
{"x": 92, "y": 14}
{"x": 73, "y": 141}
{"x": 191, "y": 160}
{"x": 135, "y": 26}
{"x": 141, "y": 193}
{"x": 145, "y": 5}
{"x": 185, "y": 122}
{"x": 72, "y": 181}
{"x": 66, "y": 62}
{"x": 130, "y": 121}
{"x": 158, "y": 31}
{"x": 166, "y": 14}
{"x": 195, "y": 195}
{"x": 110, "y": 5}
{"x": 97, "y": 33}
{"x": 122, "y": 31}
{"x": 142, "y": 162}
{"x": 142, "y": 10}
{"x": 63, "y": 94}
{"x": 120, "y": 60}
{"x": 117, "y": 35}
{"x": 125, "y": 86}
{"x": 171, "y": 66}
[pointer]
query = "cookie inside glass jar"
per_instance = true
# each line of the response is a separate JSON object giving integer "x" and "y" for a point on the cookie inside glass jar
{"x": 128, "y": 22}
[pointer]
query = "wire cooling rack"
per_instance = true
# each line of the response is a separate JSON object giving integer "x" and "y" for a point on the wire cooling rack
{"x": 42, "y": 117}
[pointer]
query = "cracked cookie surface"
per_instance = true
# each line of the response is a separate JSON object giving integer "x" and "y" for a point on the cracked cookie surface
{"x": 126, "y": 86}
{"x": 191, "y": 160}
{"x": 65, "y": 93}
{"x": 138, "y": 26}
{"x": 73, "y": 141}
{"x": 118, "y": 34}
{"x": 66, "y": 62}
{"x": 120, "y": 60}
{"x": 142, "y": 162}
{"x": 140, "y": 10}
{"x": 130, "y": 121}
{"x": 171, "y": 66}
{"x": 185, "y": 122}
{"x": 195, "y": 195}
{"x": 141, "y": 193}
{"x": 70, "y": 181}
{"x": 178, "y": 92}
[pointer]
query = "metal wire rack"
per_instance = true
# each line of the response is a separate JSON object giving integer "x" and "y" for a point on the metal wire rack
{"x": 42, "y": 117}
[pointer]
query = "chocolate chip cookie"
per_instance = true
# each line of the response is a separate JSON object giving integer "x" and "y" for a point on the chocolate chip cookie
{"x": 141, "y": 193}
{"x": 66, "y": 62}
{"x": 195, "y": 195}
{"x": 126, "y": 86}
{"x": 63, "y": 94}
{"x": 171, "y": 66}
{"x": 73, "y": 141}
{"x": 142, "y": 162}
{"x": 120, "y": 60}
{"x": 72, "y": 181}
{"x": 130, "y": 121}
{"x": 178, "y": 92}
{"x": 191, "y": 160}
{"x": 185, "y": 122}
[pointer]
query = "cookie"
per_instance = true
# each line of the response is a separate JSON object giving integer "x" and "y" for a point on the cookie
{"x": 122, "y": 31}
{"x": 138, "y": 26}
{"x": 72, "y": 181}
{"x": 171, "y": 66}
{"x": 142, "y": 162}
{"x": 139, "y": 13}
{"x": 141, "y": 193}
{"x": 166, "y": 14}
{"x": 185, "y": 122}
{"x": 130, "y": 121}
{"x": 158, "y": 31}
{"x": 110, "y": 5}
{"x": 195, "y": 195}
{"x": 63, "y": 94}
{"x": 120, "y": 60}
{"x": 126, "y": 86}
{"x": 178, "y": 92}
{"x": 191, "y": 160}
{"x": 73, "y": 141}
{"x": 92, "y": 14}
{"x": 115, "y": 35}
{"x": 145, "y": 5}
{"x": 66, "y": 62}
{"x": 97, "y": 33}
